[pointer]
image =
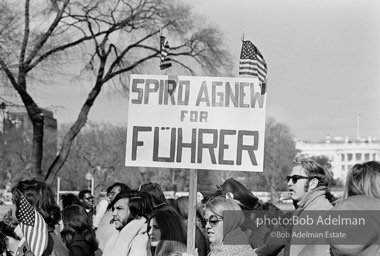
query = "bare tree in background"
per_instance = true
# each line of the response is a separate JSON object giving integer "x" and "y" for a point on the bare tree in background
{"x": 279, "y": 153}
{"x": 100, "y": 150}
{"x": 107, "y": 38}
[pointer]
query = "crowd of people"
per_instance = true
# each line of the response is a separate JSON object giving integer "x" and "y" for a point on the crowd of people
{"x": 142, "y": 222}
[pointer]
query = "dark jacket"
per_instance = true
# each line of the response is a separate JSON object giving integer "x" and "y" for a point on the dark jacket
{"x": 79, "y": 246}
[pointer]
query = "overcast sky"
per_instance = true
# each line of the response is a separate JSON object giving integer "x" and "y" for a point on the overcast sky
{"x": 323, "y": 60}
{"x": 323, "y": 63}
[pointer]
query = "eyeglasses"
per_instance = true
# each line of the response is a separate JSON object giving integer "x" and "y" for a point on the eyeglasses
{"x": 213, "y": 220}
{"x": 295, "y": 178}
{"x": 89, "y": 198}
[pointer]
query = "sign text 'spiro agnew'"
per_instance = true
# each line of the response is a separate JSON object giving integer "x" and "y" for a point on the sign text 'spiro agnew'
{"x": 196, "y": 122}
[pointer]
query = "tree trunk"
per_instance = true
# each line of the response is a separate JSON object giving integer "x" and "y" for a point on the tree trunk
{"x": 37, "y": 118}
{"x": 67, "y": 142}
{"x": 76, "y": 127}
{"x": 37, "y": 146}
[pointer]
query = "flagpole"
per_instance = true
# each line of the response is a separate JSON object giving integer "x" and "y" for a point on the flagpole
{"x": 358, "y": 127}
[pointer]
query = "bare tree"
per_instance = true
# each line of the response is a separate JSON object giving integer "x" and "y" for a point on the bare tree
{"x": 279, "y": 152}
{"x": 100, "y": 150}
{"x": 113, "y": 38}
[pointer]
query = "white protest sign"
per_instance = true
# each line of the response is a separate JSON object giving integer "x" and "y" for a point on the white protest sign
{"x": 196, "y": 122}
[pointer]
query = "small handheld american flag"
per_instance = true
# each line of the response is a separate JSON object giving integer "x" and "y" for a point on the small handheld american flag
{"x": 164, "y": 51}
{"x": 33, "y": 227}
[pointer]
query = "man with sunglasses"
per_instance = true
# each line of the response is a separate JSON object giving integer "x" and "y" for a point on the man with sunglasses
{"x": 308, "y": 184}
{"x": 87, "y": 200}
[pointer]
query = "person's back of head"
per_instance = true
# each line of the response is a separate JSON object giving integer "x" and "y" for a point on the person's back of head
{"x": 70, "y": 199}
{"x": 77, "y": 221}
{"x": 364, "y": 179}
{"x": 170, "y": 202}
{"x": 40, "y": 196}
{"x": 75, "y": 218}
{"x": 156, "y": 192}
{"x": 240, "y": 193}
{"x": 181, "y": 205}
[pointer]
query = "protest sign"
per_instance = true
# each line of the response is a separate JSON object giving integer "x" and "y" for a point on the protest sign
{"x": 196, "y": 122}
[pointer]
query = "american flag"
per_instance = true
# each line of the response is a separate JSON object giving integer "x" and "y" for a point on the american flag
{"x": 33, "y": 227}
{"x": 164, "y": 51}
{"x": 252, "y": 62}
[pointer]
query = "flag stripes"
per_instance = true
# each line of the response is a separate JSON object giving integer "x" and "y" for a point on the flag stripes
{"x": 164, "y": 52}
{"x": 33, "y": 227}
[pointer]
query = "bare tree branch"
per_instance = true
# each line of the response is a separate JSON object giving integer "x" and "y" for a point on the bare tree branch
{"x": 111, "y": 38}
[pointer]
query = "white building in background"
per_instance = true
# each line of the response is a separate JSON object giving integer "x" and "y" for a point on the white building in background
{"x": 342, "y": 152}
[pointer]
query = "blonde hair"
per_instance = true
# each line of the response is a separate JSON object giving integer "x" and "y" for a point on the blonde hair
{"x": 363, "y": 179}
{"x": 219, "y": 205}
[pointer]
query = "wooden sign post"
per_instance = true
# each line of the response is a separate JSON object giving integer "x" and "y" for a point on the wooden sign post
{"x": 192, "y": 216}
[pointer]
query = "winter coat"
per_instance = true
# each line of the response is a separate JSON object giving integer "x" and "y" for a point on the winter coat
{"x": 315, "y": 200}
{"x": 132, "y": 240}
{"x": 79, "y": 246}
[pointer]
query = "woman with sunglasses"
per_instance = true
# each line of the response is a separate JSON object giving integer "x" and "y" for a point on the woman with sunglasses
{"x": 223, "y": 218}
{"x": 166, "y": 232}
